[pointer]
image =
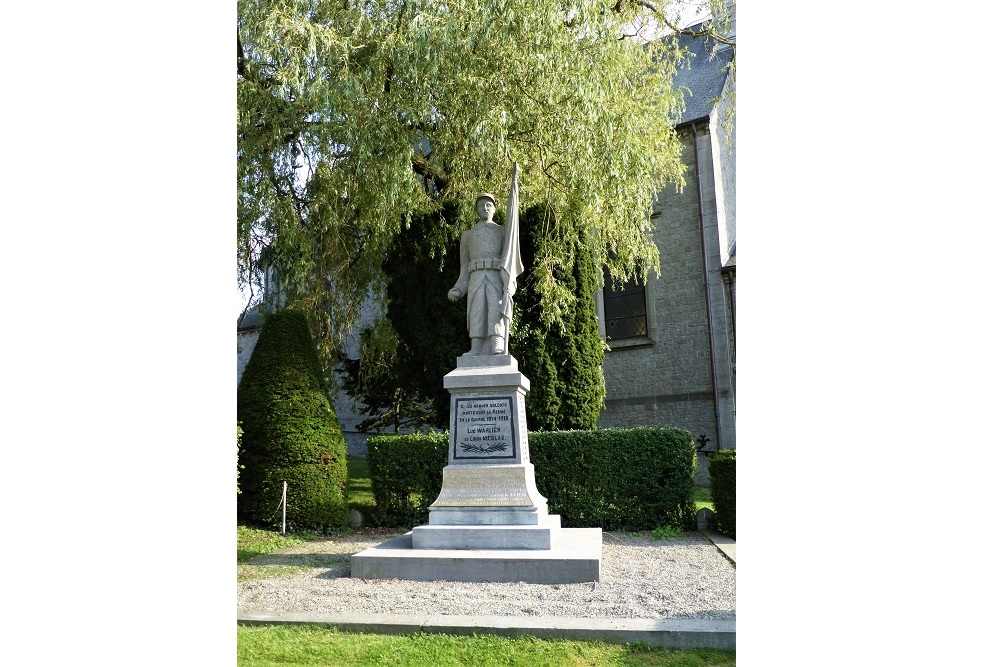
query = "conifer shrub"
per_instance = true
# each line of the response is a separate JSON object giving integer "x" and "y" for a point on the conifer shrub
{"x": 239, "y": 439}
{"x": 290, "y": 432}
{"x": 422, "y": 265}
{"x": 722, "y": 471}
{"x": 563, "y": 360}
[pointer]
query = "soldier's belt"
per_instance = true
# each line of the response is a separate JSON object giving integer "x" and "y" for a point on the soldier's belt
{"x": 486, "y": 263}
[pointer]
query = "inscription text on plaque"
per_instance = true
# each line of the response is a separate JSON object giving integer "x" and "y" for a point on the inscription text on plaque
{"x": 483, "y": 429}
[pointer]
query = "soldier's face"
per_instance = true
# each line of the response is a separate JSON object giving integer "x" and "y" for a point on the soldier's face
{"x": 485, "y": 208}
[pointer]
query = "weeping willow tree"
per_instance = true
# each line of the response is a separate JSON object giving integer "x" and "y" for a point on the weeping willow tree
{"x": 354, "y": 116}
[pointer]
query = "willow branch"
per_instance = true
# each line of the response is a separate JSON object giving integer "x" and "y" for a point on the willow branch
{"x": 681, "y": 31}
{"x": 429, "y": 170}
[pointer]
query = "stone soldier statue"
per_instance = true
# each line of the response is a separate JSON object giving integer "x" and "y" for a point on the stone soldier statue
{"x": 491, "y": 262}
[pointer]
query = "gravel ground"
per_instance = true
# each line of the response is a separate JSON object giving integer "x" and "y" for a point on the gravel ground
{"x": 683, "y": 577}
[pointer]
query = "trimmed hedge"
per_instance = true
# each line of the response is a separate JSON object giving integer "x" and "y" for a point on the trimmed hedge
{"x": 722, "y": 470}
{"x": 617, "y": 479}
{"x": 290, "y": 432}
{"x": 406, "y": 476}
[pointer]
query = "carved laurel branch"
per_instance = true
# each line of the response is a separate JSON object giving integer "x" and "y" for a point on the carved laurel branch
{"x": 468, "y": 447}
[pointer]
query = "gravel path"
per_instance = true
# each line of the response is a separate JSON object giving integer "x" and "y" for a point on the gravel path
{"x": 684, "y": 577}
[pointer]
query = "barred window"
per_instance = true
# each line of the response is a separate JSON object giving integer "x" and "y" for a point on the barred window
{"x": 625, "y": 310}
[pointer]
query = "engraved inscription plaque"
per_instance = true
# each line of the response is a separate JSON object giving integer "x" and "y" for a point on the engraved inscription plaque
{"x": 483, "y": 429}
{"x": 485, "y": 487}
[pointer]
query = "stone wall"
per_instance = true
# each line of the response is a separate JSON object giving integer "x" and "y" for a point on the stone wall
{"x": 724, "y": 158}
{"x": 667, "y": 378}
{"x": 345, "y": 406}
{"x": 245, "y": 342}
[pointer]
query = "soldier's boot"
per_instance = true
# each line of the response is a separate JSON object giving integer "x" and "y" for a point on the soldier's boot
{"x": 475, "y": 349}
{"x": 496, "y": 345}
{"x": 480, "y": 346}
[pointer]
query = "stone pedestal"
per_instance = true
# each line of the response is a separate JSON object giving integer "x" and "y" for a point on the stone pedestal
{"x": 489, "y": 523}
{"x": 488, "y": 485}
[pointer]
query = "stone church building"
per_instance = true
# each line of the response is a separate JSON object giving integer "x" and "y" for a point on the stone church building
{"x": 673, "y": 340}
{"x": 672, "y": 356}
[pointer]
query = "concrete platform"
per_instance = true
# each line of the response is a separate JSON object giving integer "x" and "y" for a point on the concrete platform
{"x": 670, "y": 633}
{"x": 726, "y": 545}
{"x": 575, "y": 558}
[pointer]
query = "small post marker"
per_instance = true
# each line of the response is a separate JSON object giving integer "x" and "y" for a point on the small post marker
{"x": 284, "y": 504}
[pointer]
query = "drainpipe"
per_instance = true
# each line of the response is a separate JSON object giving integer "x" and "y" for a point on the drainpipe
{"x": 708, "y": 287}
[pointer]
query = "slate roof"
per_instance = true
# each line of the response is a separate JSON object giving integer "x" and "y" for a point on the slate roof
{"x": 252, "y": 320}
{"x": 704, "y": 75}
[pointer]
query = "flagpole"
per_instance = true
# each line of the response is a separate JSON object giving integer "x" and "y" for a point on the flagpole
{"x": 510, "y": 258}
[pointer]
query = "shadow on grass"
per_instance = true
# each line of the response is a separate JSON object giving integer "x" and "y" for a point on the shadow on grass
{"x": 302, "y": 560}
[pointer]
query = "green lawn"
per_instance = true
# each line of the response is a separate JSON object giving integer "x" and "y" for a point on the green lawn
{"x": 359, "y": 487}
{"x": 252, "y": 542}
{"x": 311, "y": 645}
{"x": 703, "y": 498}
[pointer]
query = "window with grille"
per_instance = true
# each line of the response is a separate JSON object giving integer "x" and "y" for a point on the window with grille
{"x": 625, "y": 310}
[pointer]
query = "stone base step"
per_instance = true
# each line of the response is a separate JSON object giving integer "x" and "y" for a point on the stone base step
{"x": 575, "y": 558}
{"x": 543, "y": 536}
